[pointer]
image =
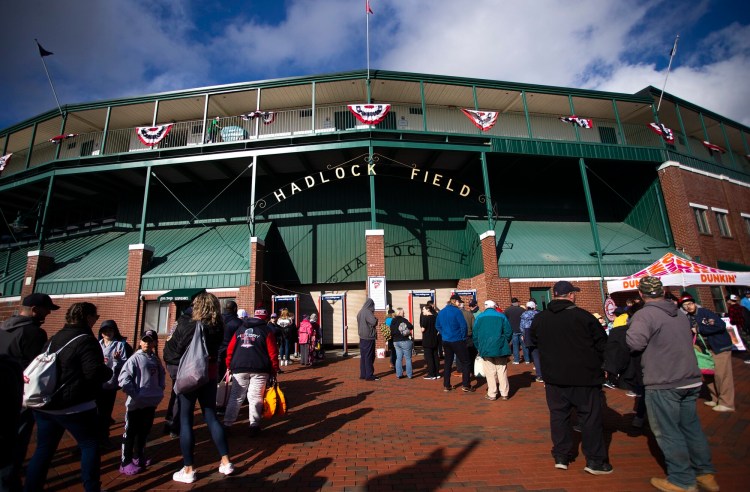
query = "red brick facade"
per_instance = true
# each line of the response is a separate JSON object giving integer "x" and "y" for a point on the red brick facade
{"x": 375, "y": 244}
{"x": 251, "y": 295}
{"x": 38, "y": 264}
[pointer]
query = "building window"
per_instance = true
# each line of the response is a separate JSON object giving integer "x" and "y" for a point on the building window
{"x": 701, "y": 218}
{"x": 746, "y": 220}
{"x": 721, "y": 221}
{"x": 718, "y": 298}
{"x": 156, "y": 316}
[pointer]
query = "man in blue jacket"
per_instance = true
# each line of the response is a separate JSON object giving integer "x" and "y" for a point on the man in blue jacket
{"x": 450, "y": 323}
{"x": 492, "y": 334}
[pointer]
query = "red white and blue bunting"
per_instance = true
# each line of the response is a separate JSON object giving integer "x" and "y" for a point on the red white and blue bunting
{"x": 152, "y": 135}
{"x": 713, "y": 147}
{"x": 575, "y": 120}
{"x": 662, "y": 130}
{"x": 4, "y": 160}
{"x": 267, "y": 117}
{"x": 60, "y": 138}
{"x": 484, "y": 120}
{"x": 369, "y": 114}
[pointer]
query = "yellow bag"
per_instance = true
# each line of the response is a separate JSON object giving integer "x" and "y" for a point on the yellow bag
{"x": 274, "y": 402}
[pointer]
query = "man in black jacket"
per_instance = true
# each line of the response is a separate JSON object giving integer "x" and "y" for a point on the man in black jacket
{"x": 571, "y": 346}
{"x": 21, "y": 340}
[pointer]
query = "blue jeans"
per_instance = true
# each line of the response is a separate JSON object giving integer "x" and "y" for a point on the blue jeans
{"x": 206, "y": 396}
{"x": 674, "y": 422}
{"x": 49, "y": 430}
{"x": 516, "y": 342}
{"x": 284, "y": 349}
{"x": 403, "y": 351}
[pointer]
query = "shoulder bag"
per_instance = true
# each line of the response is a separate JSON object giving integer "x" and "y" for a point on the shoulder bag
{"x": 705, "y": 359}
{"x": 192, "y": 373}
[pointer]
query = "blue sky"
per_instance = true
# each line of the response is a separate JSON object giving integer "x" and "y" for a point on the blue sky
{"x": 116, "y": 48}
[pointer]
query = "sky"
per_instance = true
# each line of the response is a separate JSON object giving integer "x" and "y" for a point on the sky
{"x": 119, "y": 48}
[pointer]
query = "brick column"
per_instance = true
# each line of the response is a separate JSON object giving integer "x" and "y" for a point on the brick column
{"x": 375, "y": 245}
{"x": 681, "y": 221}
{"x": 38, "y": 264}
{"x": 251, "y": 295}
{"x": 489, "y": 284}
{"x": 139, "y": 255}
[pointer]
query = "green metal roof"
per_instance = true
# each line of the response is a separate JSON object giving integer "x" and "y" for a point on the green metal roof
{"x": 12, "y": 278}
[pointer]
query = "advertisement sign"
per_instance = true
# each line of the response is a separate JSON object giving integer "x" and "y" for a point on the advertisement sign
{"x": 377, "y": 292}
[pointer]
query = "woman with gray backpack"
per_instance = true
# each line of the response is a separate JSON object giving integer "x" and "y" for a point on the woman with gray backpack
{"x": 401, "y": 334}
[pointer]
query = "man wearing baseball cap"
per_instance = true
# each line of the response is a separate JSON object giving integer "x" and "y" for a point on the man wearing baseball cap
{"x": 451, "y": 324}
{"x": 673, "y": 383}
{"x": 492, "y": 334}
{"x": 571, "y": 348}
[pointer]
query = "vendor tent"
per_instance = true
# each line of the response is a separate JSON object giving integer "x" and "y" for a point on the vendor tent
{"x": 676, "y": 271}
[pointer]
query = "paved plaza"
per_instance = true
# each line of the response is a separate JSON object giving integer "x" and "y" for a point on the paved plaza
{"x": 342, "y": 433}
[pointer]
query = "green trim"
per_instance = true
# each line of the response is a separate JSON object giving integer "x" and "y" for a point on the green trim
{"x": 732, "y": 266}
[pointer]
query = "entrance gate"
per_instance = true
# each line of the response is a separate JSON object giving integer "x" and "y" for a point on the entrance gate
{"x": 344, "y": 328}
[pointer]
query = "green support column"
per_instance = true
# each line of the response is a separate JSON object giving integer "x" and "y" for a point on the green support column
{"x": 486, "y": 180}
{"x": 312, "y": 124}
{"x": 43, "y": 226}
{"x": 619, "y": 123}
{"x": 682, "y": 129}
{"x": 703, "y": 126}
{"x": 594, "y": 228}
{"x": 369, "y": 92}
{"x": 62, "y": 132}
{"x": 106, "y": 129}
{"x": 727, "y": 143}
{"x": 476, "y": 104}
{"x": 742, "y": 134}
{"x": 526, "y": 113}
{"x": 424, "y": 105}
{"x": 142, "y": 237}
{"x": 663, "y": 214}
{"x": 31, "y": 145}
{"x": 573, "y": 111}
{"x": 252, "y": 196}
{"x": 373, "y": 221}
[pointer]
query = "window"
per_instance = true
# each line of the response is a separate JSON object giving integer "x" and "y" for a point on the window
{"x": 721, "y": 221}
{"x": 718, "y": 298}
{"x": 305, "y": 113}
{"x": 415, "y": 110}
{"x": 746, "y": 220}
{"x": 701, "y": 218}
{"x": 156, "y": 316}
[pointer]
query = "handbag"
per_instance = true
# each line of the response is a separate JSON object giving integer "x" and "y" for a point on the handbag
{"x": 274, "y": 402}
{"x": 192, "y": 373}
{"x": 223, "y": 389}
{"x": 479, "y": 366}
{"x": 705, "y": 359}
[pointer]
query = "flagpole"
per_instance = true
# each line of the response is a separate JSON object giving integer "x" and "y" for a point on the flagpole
{"x": 50, "y": 80}
{"x": 367, "y": 16}
{"x": 671, "y": 57}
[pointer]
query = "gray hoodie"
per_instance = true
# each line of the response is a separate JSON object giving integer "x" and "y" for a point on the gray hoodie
{"x": 366, "y": 321}
{"x": 142, "y": 379}
{"x": 663, "y": 333}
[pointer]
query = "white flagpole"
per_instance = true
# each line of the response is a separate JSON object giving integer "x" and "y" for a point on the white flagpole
{"x": 367, "y": 16}
{"x": 671, "y": 56}
{"x": 50, "y": 80}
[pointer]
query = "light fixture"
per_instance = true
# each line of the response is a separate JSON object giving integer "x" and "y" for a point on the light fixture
{"x": 18, "y": 225}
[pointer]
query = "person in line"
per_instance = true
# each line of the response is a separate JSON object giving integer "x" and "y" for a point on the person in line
{"x": 142, "y": 378}
{"x": 316, "y": 345}
{"x": 232, "y": 321}
{"x": 366, "y": 328}
{"x": 492, "y": 335}
{"x": 172, "y": 416}
{"x": 474, "y": 308}
{"x": 436, "y": 310}
{"x": 305, "y": 335}
{"x": 526, "y": 318}
{"x": 513, "y": 313}
{"x": 450, "y": 323}
{"x": 115, "y": 354}
{"x": 469, "y": 317}
{"x": 289, "y": 331}
{"x": 276, "y": 330}
{"x": 253, "y": 359}
{"x": 735, "y": 312}
{"x": 712, "y": 328}
{"x": 673, "y": 382}
{"x": 21, "y": 340}
{"x": 81, "y": 373}
{"x": 571, "y": 347}
{"x": 391, "y": 348}
{"x": 430, "y": 341}
{"x": 401, "y": 334}
{"x": 207, "y": 311}
{"x": 11, "y": 387}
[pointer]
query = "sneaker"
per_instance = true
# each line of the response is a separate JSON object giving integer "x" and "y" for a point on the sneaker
{"x": 746, "y": 361}
{"x": 183, "y": 476}
{"x": 468, "y": 389}
{"x": 130, "y": 469}
{"x": 505, "y": 398}
{"x": 447, "y": 389}
{"x": 514, "y": 362}
{"x": 527, "y": 362}
{"x": 561, "y": 463}
{"x": 490, "y": 398}
{"x": 539, "y": 380}
{"x": 710, "y": 403}
{"x": 722, "y": 408}
{"x": 667, "y": 486}
{"x": 598, "y": 468}
{"x": 428, "y": 377}
{"x": 227, "y": 469}
{"x": 631, "y": 394}
{"x": 609, "y": 385}
{"x": 707, "y": 482}
{"x": 637, "y": 422}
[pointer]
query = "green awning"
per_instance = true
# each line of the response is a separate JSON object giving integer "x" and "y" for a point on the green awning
{"x": 732, "y": 266}
{"x": 180, "y": 295}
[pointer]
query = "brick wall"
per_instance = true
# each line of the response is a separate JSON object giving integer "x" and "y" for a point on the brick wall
{"x": 375, "y": 247}
{"x": 251, "y": 296}
{"x": 38, "y": 264}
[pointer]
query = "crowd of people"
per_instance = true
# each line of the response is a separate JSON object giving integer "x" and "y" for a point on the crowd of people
{"x": 648, "y": 350}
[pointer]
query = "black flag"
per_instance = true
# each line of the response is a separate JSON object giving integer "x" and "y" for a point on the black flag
{"x": 42, "y": 51}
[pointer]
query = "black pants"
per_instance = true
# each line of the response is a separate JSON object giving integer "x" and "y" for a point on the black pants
{"x": 587, "y": 400}
{"x": 433, "y": 361}
{"x": 105, "y": 402}
{"x": 366, "y": 359}
{"x": 137, "y": 426}
{"x": 172, "y": 417}
{"x": 461, "y": 352}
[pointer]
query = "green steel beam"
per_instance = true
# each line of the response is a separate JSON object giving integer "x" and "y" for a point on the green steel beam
{"x": 47, "y": 200}
{"x": 664, "y": 217}
{"x": 373, "y": 222}
{"x": 573, "y": 111}
{"x": 488, "y": 196}
{"x": 682, "y": 129}
{"x": 424, "y": 105}
{"x": 526, "y": 113}
{"x": 31, "y": 146}
{"x": 728, "y": 144}
{"x": 106, "y": 129}
{"x": 619, "y": 122}
{"x": 594, "y": 228}
{"x": 144, "y": 209}
{"x": 62, "y": 132}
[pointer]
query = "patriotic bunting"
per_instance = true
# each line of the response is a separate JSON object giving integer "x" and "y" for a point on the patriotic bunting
{"x": 369, "y": 114}
{"x": 152, "y": 135}
{"x": 484, "y": 120}
{"x": 4, "y": 160}
{"x": 662, "y": 130}
{"x": 267, "y": 117}
{"x": 60, "y": 138}
{"x": 575, "y": 120}
{"x": 713, "y": 147}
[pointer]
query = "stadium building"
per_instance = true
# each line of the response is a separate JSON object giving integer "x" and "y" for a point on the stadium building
{"x": 314, "y": 192}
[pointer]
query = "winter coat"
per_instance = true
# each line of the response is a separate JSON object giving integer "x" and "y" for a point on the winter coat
{"x": 253, "y": 348}
{"x": 526, "y": 318}
{"x": 396, "y": 335}
{"x": 22, "y": 338}
{"x": 430, "y": 334}
{"x": 366, "y": 321}
{"x": 492, "y": 334}
{"x": 115, "y": 355}
{"x": 450, "y": 323}
{"x": 662, "y": 333}
{"x": 513, "y": 313}
{"x": 716, "y": 335}
{"x": 305, "y": 333}
{"x": 571, "y": 344}
{"x": 180, "y": 339}
{"x": 142, "y": 379}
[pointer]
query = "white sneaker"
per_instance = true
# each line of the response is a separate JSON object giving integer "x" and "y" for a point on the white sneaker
{"x": 710, "y": 403}
{"x": 722, "y": 408}
{"x": 227, "y": 469}
{"x": 183, "y": 476}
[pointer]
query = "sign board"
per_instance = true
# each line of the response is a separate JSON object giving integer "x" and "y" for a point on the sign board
{"x": 377, "y": 292}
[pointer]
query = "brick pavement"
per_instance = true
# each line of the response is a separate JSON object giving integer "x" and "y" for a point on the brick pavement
{"x": 345, "y": 434}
